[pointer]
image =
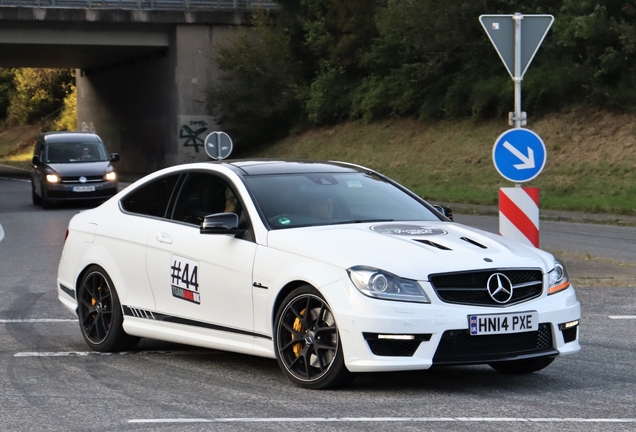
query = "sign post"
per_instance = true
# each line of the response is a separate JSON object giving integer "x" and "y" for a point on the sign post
{"x": 519, "y": 154}
{"x": 516, "y": 45}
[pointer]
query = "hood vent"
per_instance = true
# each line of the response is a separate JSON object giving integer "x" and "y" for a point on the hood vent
{"x": 433, "y": 244}
{"x": 473, "y": 242}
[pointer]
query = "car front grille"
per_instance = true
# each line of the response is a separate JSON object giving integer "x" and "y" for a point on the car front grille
{"x": 97, "y": 194}
{"x": 76, "y": 179}
{"x": 459, "y": 347}
{"x": 471, "y": 288}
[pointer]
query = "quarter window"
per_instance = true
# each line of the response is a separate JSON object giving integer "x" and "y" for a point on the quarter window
{"x": 151, "y": 199}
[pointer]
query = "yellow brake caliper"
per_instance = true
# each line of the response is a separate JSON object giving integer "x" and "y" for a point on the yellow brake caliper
{"x": 93, "y": 300}
{"x": 298, "y": 327}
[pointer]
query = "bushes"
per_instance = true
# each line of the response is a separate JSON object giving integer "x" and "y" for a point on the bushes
{"x": 30, "y": 95}
{"x": 325, "y": 61}
{"x": 38, "y": 93}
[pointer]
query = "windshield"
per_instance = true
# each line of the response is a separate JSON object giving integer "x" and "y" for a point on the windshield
{"x": 294, "y": 200}
{"x": 75, "y": 152}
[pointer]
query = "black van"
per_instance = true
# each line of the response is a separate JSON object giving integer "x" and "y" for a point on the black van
{"x": 69, "y": 166}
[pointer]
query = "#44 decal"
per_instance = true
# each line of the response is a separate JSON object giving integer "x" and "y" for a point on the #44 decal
{"x": 184, "y": 279}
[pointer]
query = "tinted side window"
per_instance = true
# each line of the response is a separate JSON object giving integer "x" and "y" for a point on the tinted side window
{"x": 151, "y": 199}
{"x": 202, "y": 194}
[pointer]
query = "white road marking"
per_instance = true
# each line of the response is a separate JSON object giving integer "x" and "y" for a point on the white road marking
{"x": 9, "y": 178}
{"x": 65, "y": 354}
{"x": 388, "y": 419}
{"x": 96, "y": 353}
{"x": 41, "y": 320}
{"x": 622, "y": 317}
{"x": 1, "y": 233}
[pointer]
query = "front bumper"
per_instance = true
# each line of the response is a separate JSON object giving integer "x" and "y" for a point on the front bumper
{"x": 441, "y": 333}
{"x": 68, "y": 192}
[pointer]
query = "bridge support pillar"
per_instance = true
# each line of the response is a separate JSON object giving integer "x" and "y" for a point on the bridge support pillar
{"x": 152, "y": 110}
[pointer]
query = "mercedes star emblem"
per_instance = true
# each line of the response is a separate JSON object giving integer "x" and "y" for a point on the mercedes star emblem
{"x": 499, "y": 288}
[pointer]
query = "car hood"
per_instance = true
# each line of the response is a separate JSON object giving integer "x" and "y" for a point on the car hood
{"x": 412, "y": 250}
{"x": 80, "y": 168}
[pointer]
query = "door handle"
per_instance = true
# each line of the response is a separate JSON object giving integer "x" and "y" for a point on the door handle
{"x": 164, "y": 238}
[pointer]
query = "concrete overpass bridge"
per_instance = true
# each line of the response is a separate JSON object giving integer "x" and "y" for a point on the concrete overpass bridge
{"x": 142, "y": 66}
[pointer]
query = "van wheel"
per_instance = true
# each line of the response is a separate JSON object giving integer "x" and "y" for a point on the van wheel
{"x": 37, "y": 200}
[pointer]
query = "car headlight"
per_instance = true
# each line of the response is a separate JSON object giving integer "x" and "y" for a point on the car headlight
{"x": 52, "y": 178}
{"x": 558, "y": 278}
{"x": 111, "y": 176}
{"x": 384, "y": 285}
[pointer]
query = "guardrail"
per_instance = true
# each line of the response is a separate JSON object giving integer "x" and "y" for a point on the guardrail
{"x": 143, "y": 4}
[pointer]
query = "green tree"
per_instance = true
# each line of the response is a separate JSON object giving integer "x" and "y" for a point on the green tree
{"x": 597, "y": 40}
{"x": 258, "y": 96}
{"x": 67, "y": 120}
{"x": 7, "y": 87}
{"x": 38, "y": 93}
{"x": 325, "y": 61}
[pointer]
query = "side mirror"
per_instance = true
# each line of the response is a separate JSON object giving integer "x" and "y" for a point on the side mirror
{"x": 35, "y": 160}
{"x": 444, "y": 210}
{"x": 114, "y": 157}
{"x": 221, "y": 223}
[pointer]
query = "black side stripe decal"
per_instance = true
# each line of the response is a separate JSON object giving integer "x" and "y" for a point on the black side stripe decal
{"x": 146, "y": 314}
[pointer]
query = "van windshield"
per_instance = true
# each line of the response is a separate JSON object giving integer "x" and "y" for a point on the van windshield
{"x": 75, "y": 152}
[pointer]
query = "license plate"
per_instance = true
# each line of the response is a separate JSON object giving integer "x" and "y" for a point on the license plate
{"x": 517, "y": 322}
{"x": 83, "y": 188}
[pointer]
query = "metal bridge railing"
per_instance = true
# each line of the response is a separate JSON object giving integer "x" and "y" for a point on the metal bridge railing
{"x": 143, "y": 4}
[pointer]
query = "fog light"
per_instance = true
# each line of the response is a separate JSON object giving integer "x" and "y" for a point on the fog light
{"x": 568, "y": 325}
{"x": 396, "y": 337}
{"x": 52, "y": 178}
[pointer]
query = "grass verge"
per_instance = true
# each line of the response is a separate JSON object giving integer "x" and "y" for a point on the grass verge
{"x": 591, "y": 158}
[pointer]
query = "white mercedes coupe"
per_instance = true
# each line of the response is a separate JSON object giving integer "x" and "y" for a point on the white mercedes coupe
{"x": 329, "y": 267}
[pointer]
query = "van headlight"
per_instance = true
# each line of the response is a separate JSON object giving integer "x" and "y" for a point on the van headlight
{"x": 111, "y": 176}
{"x": 380, "y": 284}
{"x": 558, "y": 278}
{"x": 52, "y": 178}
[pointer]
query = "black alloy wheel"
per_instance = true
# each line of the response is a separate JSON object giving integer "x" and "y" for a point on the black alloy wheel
{"x": 100, "y": 313}
{"x": 307, "y": 343}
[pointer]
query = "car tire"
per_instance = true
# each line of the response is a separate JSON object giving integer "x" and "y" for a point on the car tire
{"x": 316, "y": 360}
{"x": 517, "y": 367}
{"x": 37, "y": 199}
{"x": 100, "y": 314}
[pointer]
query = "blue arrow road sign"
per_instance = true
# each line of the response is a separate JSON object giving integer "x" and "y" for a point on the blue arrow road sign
{"x": 519, "y": 155}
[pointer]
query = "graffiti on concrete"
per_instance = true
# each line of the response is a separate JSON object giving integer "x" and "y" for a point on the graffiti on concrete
{"x": 191, "y": 134}
{"x": 194, "y": 134}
